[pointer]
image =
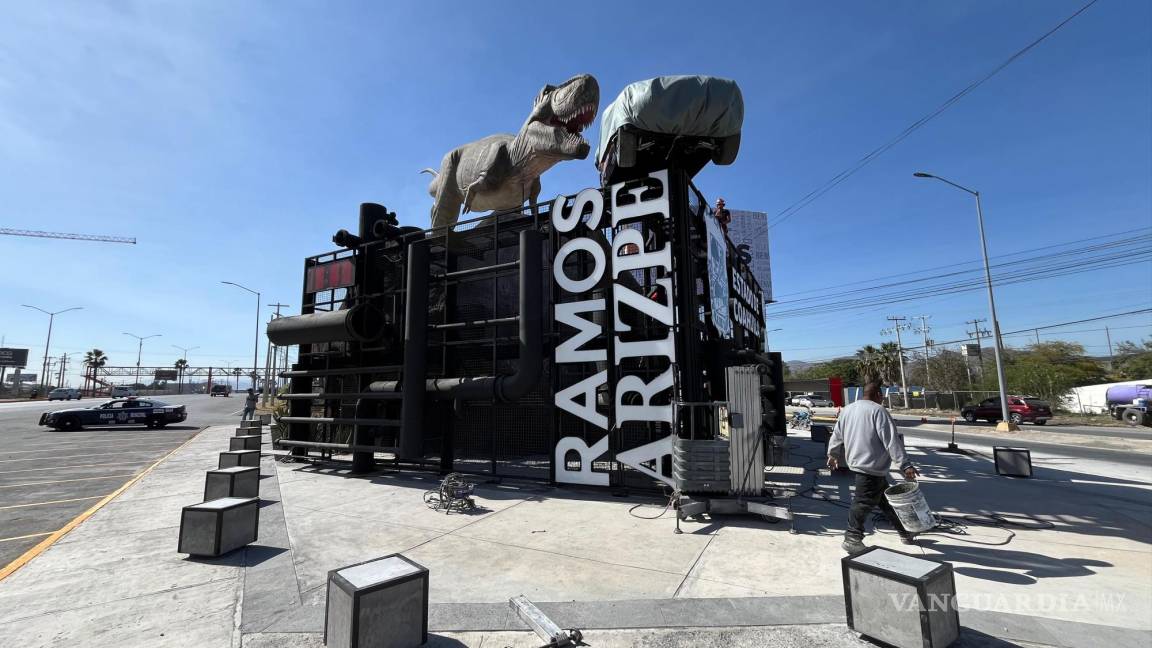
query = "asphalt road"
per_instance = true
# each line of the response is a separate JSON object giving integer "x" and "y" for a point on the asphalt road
{"x": 49, "y": 477}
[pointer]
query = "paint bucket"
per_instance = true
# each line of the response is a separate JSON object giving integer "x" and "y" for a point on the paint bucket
{"x": 910, "y": 506}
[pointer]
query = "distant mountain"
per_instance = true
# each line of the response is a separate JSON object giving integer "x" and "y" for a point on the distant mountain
{"x": 796, "y": 366}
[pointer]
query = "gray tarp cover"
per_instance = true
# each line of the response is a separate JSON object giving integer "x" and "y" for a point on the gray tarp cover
{"x": 700, "y": 106}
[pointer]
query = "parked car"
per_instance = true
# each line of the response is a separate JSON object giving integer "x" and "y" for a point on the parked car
{"x": 64, "y": 393}
{"x": 811, "y": 400}
{"x": 1021, "y": 409}
{"x": 220, "y": 390}
{"x": 122, "y": 411}
{"x": 121, "y": 391}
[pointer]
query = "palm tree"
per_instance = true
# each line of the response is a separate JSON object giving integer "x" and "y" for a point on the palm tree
{"x": 93, "y": 360}
{"x": 237, "y": 372}
{"x": 890, "y": 358}
{"x": 181, "y": 364}
{"x": 868, "y": 364}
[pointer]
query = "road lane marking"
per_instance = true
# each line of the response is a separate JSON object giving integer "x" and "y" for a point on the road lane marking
{"x": 44, "y": 544}
{"x": 63, "y": 501}
{"x": 115, "y": 463}
{"x": 62, "y": 481}
{"x": 25, "y": 537}
{"x": 94, "y": 454}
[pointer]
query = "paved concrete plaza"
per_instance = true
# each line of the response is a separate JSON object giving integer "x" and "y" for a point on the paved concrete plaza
{"x": 1078, "y": 571}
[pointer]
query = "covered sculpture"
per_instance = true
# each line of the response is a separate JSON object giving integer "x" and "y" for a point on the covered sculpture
{"x": 696, "y": 119}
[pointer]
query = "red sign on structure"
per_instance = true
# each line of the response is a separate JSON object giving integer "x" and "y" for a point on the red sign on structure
{"x": 328, "y": 276}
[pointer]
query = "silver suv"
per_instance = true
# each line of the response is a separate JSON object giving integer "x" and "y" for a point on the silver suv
{"x": 64, "y": 393}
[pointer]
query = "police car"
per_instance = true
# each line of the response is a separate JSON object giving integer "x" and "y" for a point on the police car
{"x": 122, "y": 411}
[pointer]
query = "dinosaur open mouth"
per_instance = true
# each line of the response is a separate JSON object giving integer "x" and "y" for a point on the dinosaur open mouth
{"x": 578, "y": 121}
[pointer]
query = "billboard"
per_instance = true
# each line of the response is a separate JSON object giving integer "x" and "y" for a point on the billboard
{"x": 718, "y": 277}
{"x": 166, "y": 374}
{"x": 970, "y": 350}
{"x": 24, "y": 378}
{"x": 13, "y": 357}
{"x": 749, "y": 233}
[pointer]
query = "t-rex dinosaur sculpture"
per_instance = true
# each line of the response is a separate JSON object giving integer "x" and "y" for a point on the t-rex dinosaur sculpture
{"x": 502, "y": 171}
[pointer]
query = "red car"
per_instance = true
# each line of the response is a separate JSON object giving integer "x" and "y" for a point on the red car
{"x": 1021, "y": 409}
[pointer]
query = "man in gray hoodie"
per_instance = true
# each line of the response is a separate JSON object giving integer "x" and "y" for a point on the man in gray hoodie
{"x": 867, "y": 438}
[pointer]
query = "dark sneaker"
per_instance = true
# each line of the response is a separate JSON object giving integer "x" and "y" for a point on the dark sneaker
{"x": 853, "y": 547}
{"x": 908, "y": 539}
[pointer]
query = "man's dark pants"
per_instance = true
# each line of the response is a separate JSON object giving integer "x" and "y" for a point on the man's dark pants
{"x": 870, "y": 494}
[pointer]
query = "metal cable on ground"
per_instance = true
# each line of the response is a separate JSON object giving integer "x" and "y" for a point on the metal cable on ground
{"x": 671, "y": 503}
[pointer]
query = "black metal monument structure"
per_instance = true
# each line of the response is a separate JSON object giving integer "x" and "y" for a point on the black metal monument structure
{"x": 587, "y": 341}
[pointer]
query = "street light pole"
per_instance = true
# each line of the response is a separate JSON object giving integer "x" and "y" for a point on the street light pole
{"x": 139, "y": 350}
{"x": 255, "y": 342}
{"x": 180, "y": 387}
{"x": 997, "y": 344}
{"x": 48, "y": 341}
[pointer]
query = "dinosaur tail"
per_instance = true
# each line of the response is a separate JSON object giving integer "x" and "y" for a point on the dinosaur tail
{"x": 432, "y": 172}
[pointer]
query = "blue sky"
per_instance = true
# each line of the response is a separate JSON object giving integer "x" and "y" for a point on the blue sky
{"x": 232, "y": 139}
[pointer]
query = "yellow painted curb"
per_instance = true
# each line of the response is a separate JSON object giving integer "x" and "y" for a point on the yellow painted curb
{"x": 44, "y": 544}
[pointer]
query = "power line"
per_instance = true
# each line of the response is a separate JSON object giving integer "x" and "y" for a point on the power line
{"x": 985, "y": 333}
{"x": 870, "y": 299}
{"x": 1128, "y": 242}
{"x": 1049, "y": 326}
{"x": 1015, "y": 254}
{"x": 875, "y": 153}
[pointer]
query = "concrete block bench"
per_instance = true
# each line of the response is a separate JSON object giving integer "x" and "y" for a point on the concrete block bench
{"x": 901, "y": 600}
{"x": 245, "y": 442}
{"x": 236, "y": 481}
{"x": 382, "y": 602}
{"x": 219, "y": 526}
{"x": 239, "y": 458}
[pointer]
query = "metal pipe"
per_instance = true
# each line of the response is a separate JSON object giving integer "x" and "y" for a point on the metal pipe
{"x": 360, "y": 323}
{"x": 332, "y": 446}
{"x": 365, "y": 410}
{"x": 315, "y": 373}
{"x": 317, "y": 420}
{"x": 471, "y": 271}
{"x": 483, "y": 322}
{"x": 338, "y": 395}
{"x": 415, "y": 352}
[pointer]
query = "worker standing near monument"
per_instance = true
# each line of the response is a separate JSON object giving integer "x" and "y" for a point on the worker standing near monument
{"x": 866, "y": 435}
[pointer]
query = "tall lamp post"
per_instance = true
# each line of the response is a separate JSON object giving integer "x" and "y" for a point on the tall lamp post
{"x": 185, "y": 359}
{"x": 139, "y": 350}
{"x": 51, "y": 318}
{"x": 255, "y": 342}
{"x": 1005, "y": 423}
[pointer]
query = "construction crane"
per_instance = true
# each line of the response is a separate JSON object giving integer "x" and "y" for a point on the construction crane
{"x": 62, "y": 235}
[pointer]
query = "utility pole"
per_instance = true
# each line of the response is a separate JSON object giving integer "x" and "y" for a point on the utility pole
{"x": 923, "y": 330}
{"x": 896, "y": 326}
{"x": 977, "y": 333}
{"x": 270, "y": 358}
{"x": 63, "y": 364}
{"x": 967, "y": 367}
{"x": 1111, "y": 359}
{"x": 1037, "y": 332}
